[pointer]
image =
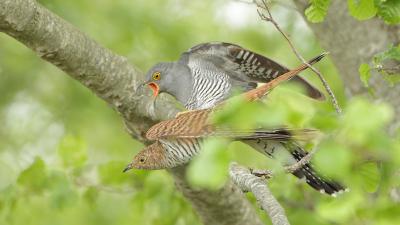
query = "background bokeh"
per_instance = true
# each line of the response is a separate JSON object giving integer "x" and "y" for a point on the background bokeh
{"x": 62, "y": 150}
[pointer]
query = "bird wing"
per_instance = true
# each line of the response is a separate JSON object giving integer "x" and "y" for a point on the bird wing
{"x": 198, "y": 124}
{"x": 245, "y": 67}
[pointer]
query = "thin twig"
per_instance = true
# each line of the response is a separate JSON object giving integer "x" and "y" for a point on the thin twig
{"x": 389, "y": 69}
{"x": 334, "y": 101}
{"x": 270, "y": 19}
{"x": 287, "y": 6}
{"x": 287, "y": 169}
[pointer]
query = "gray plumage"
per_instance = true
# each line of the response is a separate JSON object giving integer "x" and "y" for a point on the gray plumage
{"x": 209, "y": 73}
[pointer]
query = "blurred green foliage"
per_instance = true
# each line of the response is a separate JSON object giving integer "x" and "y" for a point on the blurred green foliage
{"x": 208, "y": 170}
{"x": 359, "y": 9}
{"x": 62, "y": 150}
{"x": 354, "y": 150}
{"x": 384, "y": 72}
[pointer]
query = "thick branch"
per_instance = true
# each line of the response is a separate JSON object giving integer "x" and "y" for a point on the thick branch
{"x": 113, "y": 79}
{"x": 243, "y": 178}
{"x": 218, "y": 200}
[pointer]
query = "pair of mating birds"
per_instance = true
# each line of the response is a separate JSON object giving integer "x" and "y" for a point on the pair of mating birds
{"x": 201, "y": 81}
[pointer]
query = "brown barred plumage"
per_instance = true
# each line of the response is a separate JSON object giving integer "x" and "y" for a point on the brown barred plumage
{"x": 178, "y": 140}
{"x": 197, "y": 123}
{"x": 211, "y": 72}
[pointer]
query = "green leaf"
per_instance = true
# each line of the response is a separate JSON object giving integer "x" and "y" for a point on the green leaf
{"x": 317, "y": 11}
{"x": 35, "y": 177}
{"x": 389, "y": 10}
{"x": 356, "y": 125}
{"x": 208, "y": 170}
{"x": 111, "y": 173}
{"x": 72, "y": 150}
{"x": 371, "y": 91}
{"x": 333, "y": 159}
{"x": 91, "y": 195}
{"x": 63, "y": 196}
{"x": 390, "y": 78}
{"x": 365, "y": 9}
{"x": 339, "y": 210}
{"x": 365, "y": 75}
{"x": 370, "y": 176}
{"x": 391, "y": 53}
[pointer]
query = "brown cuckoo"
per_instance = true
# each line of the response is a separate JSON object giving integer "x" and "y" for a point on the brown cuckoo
{"x": 179, "y": 140}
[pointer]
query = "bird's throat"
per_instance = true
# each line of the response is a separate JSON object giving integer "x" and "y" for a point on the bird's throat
{"x": 155, "y": 89}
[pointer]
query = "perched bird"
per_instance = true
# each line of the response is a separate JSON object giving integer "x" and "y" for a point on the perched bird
{"x": 179, "y": 140}
{"x": 211, "y": 72}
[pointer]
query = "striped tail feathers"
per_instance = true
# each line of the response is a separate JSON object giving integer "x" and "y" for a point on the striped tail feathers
{"x": 282, "y": 134}
{"x": 266, "y": 88}
{"x": 261, "y": 91}
{"x": 312, "y": 176}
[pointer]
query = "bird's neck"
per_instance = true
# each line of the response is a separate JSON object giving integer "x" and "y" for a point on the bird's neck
{"x": 182, "y": 83}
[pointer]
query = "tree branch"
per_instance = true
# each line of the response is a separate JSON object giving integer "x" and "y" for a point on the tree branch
{"x": 243, "y": 178}
{"x": 218, "y": 202}
{"x": 274, "y": 2}
{"x": 113, "y": 79}
{"x": 287, "y": 169}
{"x": 248, "y": 180}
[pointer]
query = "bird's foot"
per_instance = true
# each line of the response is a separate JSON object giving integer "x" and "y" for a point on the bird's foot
{"x": 183, "y": 112}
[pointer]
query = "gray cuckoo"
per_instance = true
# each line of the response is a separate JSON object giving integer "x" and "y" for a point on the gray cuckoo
{"x": 179, "y": 140}
{"x": 211, "y": 72}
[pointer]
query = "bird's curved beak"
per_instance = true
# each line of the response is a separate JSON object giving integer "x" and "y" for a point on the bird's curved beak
{"x": 155, "y": 87}
{"x": 128, "y": 167}
{"x": 140, "y": 86}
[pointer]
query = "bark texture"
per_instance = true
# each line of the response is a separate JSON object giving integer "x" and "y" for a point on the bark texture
{"x": 113, "y": 79}
{"x": 352, "y": 42}
{"x": 219, "y": 201}
{"x": 243, "y": 178}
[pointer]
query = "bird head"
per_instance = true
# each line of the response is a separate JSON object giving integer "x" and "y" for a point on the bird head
{"x": 151, "y": 158}
{"x": 158, "y": 78}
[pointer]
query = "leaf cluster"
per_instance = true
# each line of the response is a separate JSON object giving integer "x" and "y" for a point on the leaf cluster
{"x": 384, "y": 72}
{"x": 359, "y": 9}
{"x": 354, "y": 150}
{"x": 62, "y": 150}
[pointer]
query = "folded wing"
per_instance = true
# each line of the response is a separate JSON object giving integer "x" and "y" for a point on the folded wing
{"x": 245, "y": 67}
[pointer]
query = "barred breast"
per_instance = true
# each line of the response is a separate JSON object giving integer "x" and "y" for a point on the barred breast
{"x": 211, "y": 86}
{"x": 181, "y": 151}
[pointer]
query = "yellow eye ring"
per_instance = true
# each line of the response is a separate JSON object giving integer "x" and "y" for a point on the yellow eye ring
{"x": 142, "y": 159}
{"x": 156, "y": 76}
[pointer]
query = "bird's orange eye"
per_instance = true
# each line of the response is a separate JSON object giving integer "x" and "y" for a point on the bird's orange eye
{"x": 156, "y": 76}
{"x": 142, "y": 159}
